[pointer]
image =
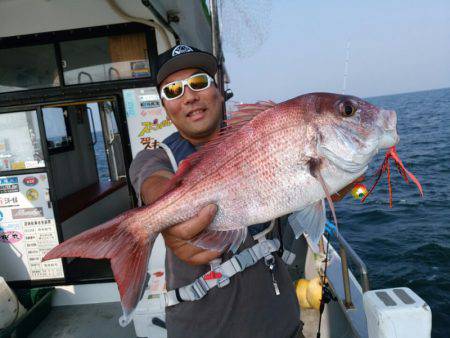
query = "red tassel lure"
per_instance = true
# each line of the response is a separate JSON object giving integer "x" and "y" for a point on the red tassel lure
{"x": 385, "y": 167}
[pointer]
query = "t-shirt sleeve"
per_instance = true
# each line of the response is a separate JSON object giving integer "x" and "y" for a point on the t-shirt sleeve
{"x": 145, "y": 164}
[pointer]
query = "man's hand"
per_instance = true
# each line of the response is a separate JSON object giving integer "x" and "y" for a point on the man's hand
{"x": 344, "y": 191}
{"x": 177, "y": 237}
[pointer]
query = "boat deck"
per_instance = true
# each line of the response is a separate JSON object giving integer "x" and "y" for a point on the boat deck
{"x": 84, "y": 321}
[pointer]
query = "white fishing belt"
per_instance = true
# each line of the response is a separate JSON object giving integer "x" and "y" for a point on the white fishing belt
{"x": 288, "y": 257}
{"x": 220, "y": 274}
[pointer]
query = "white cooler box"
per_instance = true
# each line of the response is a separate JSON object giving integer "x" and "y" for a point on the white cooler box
{"x": 151, "y": 306}
{"x": 396, "y": 313}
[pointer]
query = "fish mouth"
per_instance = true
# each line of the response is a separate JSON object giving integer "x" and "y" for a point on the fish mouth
{"x": 389, "y": 136}
{"x": 388, "y": 139}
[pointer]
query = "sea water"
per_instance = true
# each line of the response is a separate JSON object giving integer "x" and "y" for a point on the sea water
{"x": 409, "y": 245}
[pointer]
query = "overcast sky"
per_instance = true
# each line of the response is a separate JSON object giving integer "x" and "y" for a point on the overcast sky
{"x": 395, "y": 47}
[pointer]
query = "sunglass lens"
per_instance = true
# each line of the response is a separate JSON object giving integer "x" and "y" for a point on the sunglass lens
{"x": 198, "y": 82}
{"x": 173, "y": 90}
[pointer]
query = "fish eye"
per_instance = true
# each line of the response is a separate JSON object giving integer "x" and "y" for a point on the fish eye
{"x": 347, "y": 108}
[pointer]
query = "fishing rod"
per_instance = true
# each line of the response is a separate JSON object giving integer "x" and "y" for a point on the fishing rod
{"x": 347, "y": 60}
{"x": 218, "y": 53}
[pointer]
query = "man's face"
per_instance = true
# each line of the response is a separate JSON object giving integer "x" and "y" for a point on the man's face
{"x": 196, "y": 114}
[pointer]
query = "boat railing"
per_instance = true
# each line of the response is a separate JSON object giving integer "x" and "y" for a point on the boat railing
{"x": 345, "y": 252}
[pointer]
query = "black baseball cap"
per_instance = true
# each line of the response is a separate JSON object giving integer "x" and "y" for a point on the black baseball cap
{"x": 182, "y": 57}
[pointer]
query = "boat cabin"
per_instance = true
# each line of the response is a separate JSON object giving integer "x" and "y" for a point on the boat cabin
{"x": 77, "y": 102}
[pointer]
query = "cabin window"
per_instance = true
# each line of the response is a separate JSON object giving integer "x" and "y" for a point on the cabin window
{"x": 57, "y": 129}
{"x": 28, "y": 67}
{"x": 20, "y": 143}
{"x": 106, "y": 58}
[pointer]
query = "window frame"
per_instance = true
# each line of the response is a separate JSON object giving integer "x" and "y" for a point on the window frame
{"x": 43, "y": 151}
{"x": 55, "y": 38}
{"x": 39, "y": 86}
{"x": 67, "y": 147}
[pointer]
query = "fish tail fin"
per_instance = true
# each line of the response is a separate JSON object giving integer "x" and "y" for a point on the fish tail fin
{"x": 127, "y": 244}
{"x": 130, "y": 272}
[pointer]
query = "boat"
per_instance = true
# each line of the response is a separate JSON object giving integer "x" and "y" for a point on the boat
{"x": 78, "y": 101}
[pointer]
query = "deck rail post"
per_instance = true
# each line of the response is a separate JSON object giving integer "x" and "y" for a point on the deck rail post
{"x": 345, "y": 250}
{"x": 345, "y": 278}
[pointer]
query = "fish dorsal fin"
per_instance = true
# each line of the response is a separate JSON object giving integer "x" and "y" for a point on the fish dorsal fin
{"x": 246, "y": 112}
{"x": 237, "y": 120}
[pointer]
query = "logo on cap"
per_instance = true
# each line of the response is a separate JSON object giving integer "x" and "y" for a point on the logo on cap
{"x": 181, "y": 49}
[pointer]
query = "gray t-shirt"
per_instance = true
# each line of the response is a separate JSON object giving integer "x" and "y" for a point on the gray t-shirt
{"x": 247, "y": 307}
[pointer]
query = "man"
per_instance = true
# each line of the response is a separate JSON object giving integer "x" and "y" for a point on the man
{"x": 248, "y": 306}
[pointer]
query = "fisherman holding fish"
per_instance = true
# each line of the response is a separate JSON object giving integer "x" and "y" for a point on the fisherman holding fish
{"x": 249, "y": 306}
{"x": 270, "y": 160}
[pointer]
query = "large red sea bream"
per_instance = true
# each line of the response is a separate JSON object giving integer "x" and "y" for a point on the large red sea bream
{"x": 272, "y": 159}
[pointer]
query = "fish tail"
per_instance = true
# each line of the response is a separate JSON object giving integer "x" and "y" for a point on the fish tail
{"x": 127, "y": 244}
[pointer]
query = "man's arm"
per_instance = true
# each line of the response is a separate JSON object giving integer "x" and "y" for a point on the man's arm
{"x": 154, "y": 186}
{"x": 177, "y": 237}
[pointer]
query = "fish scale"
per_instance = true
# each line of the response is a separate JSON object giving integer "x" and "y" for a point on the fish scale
{"x": 248, "y": 182}
{"x": 232, "y": 183}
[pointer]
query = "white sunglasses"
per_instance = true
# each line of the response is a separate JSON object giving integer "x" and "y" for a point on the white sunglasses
{"x": 196, "y": 82}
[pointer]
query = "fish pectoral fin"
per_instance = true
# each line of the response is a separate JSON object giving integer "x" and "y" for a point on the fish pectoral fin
{"x": 310, "y": 221}
{"x": 220, "y": 240}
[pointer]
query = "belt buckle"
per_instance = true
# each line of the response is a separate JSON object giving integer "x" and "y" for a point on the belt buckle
{"x": 224, "y": 280}
{"x": 165, "y": 300}
{"x": 265, "y": 248}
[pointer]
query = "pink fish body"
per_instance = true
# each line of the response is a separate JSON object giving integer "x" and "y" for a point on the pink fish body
{"x": 271, "y": 161}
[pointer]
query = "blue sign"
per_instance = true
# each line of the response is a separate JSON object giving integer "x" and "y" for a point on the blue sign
{"x": 9, "y": 180}
{"x": 130, "y": 102}
{"x": 1, "y": 216}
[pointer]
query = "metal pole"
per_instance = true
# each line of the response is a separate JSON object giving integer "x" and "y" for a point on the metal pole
{"x": 217, "y": 49}
{"x": 345, "y": 278}
{"x": 347, "y": 59}
{"x": 357, "y": 260}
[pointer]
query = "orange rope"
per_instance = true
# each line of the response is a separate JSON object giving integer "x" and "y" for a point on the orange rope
{"x": 392, "y": 153}
{"x": 389, "y": 183}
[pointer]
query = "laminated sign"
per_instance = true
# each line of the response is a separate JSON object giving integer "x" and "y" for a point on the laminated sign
{"x": 27, "y": 229}
{"x": 147, "y": 120}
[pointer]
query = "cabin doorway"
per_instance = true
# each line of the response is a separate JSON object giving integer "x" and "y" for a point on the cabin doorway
{"x": 106, "y": 141}
{"x": 62, "y": 171}
{"x": 88, "y": 170}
